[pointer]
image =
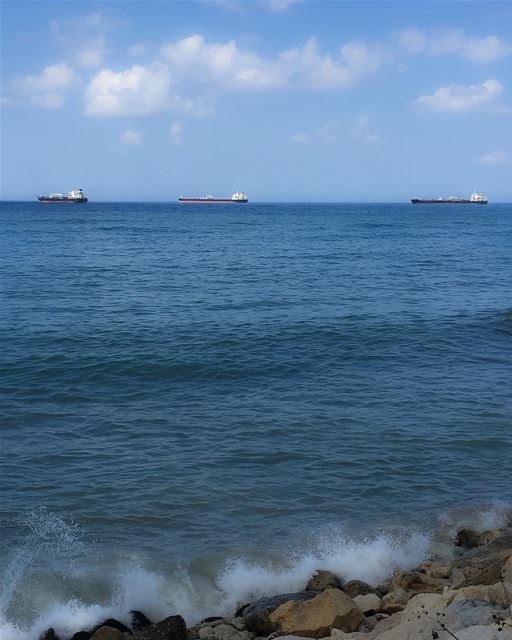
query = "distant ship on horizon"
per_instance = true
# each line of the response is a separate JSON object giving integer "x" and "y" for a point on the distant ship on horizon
{"x": 237, "y": 197}
{"x": 476, "y": 198}
{"x": 75, "y": 196}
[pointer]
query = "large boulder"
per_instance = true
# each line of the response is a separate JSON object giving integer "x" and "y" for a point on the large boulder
{"x": 171, "y": 628}
{"x": 112, "y": 623}
{"x": 417, "y": 582}
{"x": 369, "y": 604}
{"x": 467, "y": 538}
{"x": 475, "y": 570}
{"x": 322, "y": 580}
{"x": 139, "y": 620}
{"x": 484, "y": 632}
{"x": 493, "y": 593}
{"x": 256, "y": 616}
{"x": 315, "y": 618}
{"x": 108, "y": 633}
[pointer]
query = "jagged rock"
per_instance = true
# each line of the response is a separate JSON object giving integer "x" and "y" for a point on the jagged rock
{"x": 322, "y": 580}
{"x": 240, "y": 611}
{"x": 469, "y": 571}
{"x": 493, "y": 593}
{"x": 355, "y": 588}
{"x": 416, "y": 582}
{"x": 49, "y": 634}
{"x": 434, "y": 569}
{"x": 112, "y": 623}
{"x": 315, "y": 618}
{"x": 487, "y": 537}
{"x": 256, "y": 616}
{"x": 108, "y": 633}
{"x": 369, "y": 604}
{"x": 139, "y": 620}
{"x": 467, "y": 538}
{"x": 171, "y": 628}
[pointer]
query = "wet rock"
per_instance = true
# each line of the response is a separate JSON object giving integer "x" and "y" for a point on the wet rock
{"x": 240, "y": 611}
{"x": 108, "y": 633}
{"x": 139, "y": 620}
{"x": 171, "y": 628}
{"x": 355, "y": 588}
{"x": 322, "y": 580}
{"x": 49, "y": 634}
{"x": 487, "y": 537}
{"x": 315, "y": 618}
{"x": 369, "y": 604}
{"x": 467, "y": 538}
{"x": 256, "y": 616}
{"x": 112, "y": 624}
{"x": 82, "y": 635}
{"x": 211, "y": 619}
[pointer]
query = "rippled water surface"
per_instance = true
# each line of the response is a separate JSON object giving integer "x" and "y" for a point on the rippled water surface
{"x": 202, "y": 381}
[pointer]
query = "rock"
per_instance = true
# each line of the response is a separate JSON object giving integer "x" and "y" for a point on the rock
{"x": 416, "y": 582}
{"x": 484, "y": 632}
{"x": 112, "y": 624}
{"x": 315, "y": 618}
{"x": 171, "y": 628}
{"x": 81, "y": 635}
{"x": 469, "y": 571}
{"x": 212, "y": 619}
{"x": 256, "y": 615}
{"x": 240, "y": 611}
{"x": 506, "y": 570}
{"x": 369, "y": 604}
{"x": 392, "y": 607}
{"x": 487, "y": 537}
{"x": 494, "y": 593}
{"x": 397, "y": 596}
{"x": 337, "y": 634}
{"x": 108, "y": 633}
{"x": 434, "y": 569}
{"x": 322, "y": 580}
{"x": 49, "y": 634}
{"x": 355, "y": 588}
{"x": 223, "y": 632}
{"x": 139, "y": 620}
{"x": 372, "y": 621}
{"x": 390, "y": 622}
{"x": 467, "y": 538}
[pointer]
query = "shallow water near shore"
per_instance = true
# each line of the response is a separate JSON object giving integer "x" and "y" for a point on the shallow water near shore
{"x": 204, "y": 405}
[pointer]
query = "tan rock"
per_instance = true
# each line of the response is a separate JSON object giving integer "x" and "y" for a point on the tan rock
{"x": 108, "y": 633}
{"x": 315, "y": 618}
{"x": 388, "y": 623}
{"x": 470, "y": 571}
{"x": 392, "y": 607}
{"x": 487, "y": 537}
{"x": 434, "y": 569}
{"x": 506, "y": 572}
{"x": 417, "y": 582}
{"x": 397, "y": 596}
{"x": 484, "y": 632}
{"x": 369, "y": 604}
{"x": 355, "y": 588}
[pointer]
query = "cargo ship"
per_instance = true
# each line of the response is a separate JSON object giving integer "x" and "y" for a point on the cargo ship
{"x": 476, "y": 198}
{"x": 237, "y": 197}
{"x": 75, "y": 196}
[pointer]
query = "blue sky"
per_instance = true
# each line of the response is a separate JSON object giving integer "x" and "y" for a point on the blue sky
{"x": 286, "y": 100}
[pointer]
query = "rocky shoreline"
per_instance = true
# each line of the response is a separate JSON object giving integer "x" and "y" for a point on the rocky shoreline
{"x": 468, "y": 598}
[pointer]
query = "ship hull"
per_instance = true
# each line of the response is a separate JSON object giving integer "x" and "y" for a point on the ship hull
{"x": 452, "y": 201}
{"x": 211, "y": 201}
{"x": 62, "y": 200}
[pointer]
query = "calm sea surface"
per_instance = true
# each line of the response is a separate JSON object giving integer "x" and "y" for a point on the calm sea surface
{"x": 200, "y": 400}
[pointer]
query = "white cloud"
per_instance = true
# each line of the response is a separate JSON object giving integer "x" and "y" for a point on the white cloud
{"x": 228, "y": 65}
{"x": 457, "y": 98}
{"x": 91, "y": 53}
{"x": 176, "y": 131}
{"x": 363, "y": 130}
{"x": 136, "y": 91}
{"x": 492, "y": 159}
{"x": 130, "y": 136}
{"x": 479, "y": 50}
{"x": 49, "y": 87}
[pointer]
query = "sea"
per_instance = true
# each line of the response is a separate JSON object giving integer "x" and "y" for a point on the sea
{"x": 203, "y": 404}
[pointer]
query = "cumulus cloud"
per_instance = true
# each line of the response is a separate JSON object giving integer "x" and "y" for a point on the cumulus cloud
{"x": 130, "y": 137}
{"x": 48, "y": 89}
{"x": 479, "y": 50}
{"x": 228, "y": 65}
{"x": 136, "y": 91}
{"x": 492, "y": 159}
{"x": 457, "y": 98}
{"x": 175, "y": 131}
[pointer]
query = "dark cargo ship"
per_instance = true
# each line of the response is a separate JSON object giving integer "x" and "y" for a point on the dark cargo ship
{"x": 75, "y": 196}
{"x": 476, "y": 198}
{"x": 237, "y": 197}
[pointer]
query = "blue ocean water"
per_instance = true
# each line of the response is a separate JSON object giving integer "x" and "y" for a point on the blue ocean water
{"x": 203, "y": 402}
